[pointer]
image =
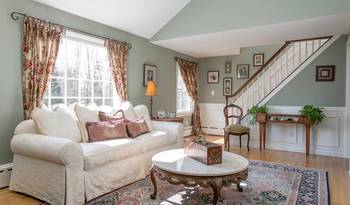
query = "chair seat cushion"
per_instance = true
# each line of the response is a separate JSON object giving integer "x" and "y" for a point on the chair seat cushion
{"x": 237, "y": 129}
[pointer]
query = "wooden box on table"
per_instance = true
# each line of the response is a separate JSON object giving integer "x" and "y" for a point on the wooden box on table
{"x": 205, "y": 152}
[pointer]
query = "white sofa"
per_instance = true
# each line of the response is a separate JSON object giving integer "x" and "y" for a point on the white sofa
{"x": 62, "y": 171}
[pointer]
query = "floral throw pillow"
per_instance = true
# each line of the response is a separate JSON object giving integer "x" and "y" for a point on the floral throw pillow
{"x": 100, "y": 131}
{"x": 136, "y": 127}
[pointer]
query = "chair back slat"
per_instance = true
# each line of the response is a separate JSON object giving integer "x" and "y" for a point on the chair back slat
{"x": 227, "y": 116}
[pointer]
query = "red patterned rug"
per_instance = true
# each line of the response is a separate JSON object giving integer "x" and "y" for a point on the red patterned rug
{"x": 267, "y": 183}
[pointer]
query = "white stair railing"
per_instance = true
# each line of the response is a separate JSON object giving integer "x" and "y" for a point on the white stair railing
{"x": 287, "y": 60}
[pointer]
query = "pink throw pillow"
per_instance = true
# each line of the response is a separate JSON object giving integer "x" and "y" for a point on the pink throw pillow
{"x": 99, "y": 131}
{"x": 105, "y": 117}
{"x": 136, "y": 127}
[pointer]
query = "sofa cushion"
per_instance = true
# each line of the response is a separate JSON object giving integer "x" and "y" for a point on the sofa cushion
{"x": 56, "y": 124}
{"x": 99, "y": 153}
{"x": 155, "y": 140}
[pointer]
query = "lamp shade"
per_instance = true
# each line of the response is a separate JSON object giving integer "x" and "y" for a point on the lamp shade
{"x": 151, "y": 89}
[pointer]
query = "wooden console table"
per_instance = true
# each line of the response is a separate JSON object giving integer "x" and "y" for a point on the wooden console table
{"x": 263, "y": 119}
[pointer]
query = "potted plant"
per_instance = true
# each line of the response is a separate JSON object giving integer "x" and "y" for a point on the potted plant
{"x": 311, "y": 114}
{"x": 258, "y": 113}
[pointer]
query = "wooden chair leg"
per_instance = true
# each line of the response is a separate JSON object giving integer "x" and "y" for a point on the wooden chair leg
{"x": 248, "y": 141}
{"x": 228, "y": 142}
{"x": 240, "y": 141}
{"x": 225, "y": 140}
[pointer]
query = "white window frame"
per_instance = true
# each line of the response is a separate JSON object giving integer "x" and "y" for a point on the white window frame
{"x": 180, "y": 113}
{"x": 83, "y": 38}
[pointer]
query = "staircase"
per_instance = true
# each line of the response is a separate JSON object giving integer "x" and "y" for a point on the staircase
{"x": 282, "y": 67}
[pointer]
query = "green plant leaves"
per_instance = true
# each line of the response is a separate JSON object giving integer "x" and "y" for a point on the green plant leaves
{"x": 313, "y": 113}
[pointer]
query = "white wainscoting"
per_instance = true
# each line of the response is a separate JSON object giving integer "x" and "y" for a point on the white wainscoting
{"x": 327, "y": 138}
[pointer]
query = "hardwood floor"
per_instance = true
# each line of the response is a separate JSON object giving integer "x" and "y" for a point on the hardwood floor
{"x": 339, "y": 179}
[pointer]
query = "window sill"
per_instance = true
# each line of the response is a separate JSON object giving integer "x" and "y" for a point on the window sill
{"x": 183, "y": 114}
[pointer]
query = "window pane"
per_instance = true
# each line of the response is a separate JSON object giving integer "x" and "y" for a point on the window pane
{"x": 46, "y": 101}
{"x": 86, "y": 88}
{"x": 55, "y": 101}
{"x": 109, "y": 102}
{"x": 72, "y": 88}
{"x": 98, "y": 72}
{"x": 108, "y": 89}
{"x": 98, "y": 102}
{"x": 71, "y": 101}
{"x": 72, "y": 69}
{"x": 59, "y": 69}
{"x": 85, "y": 101}
{"x": 98, "y": 89}
{"x": 57, "y": 87}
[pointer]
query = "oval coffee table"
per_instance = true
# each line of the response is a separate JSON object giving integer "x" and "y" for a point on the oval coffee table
{"x": 176, "y": 168}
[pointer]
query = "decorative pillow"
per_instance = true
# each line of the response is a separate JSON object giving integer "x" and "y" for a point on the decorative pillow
{"x": 105, "y": 117}
{"x": 99, "y": 131}
{"x": 136, "y": 127}
{"x": 85, "y": 114}
{"x": 128, "y": 109}
{"x": 142, "y": 112}
{"x": 56, "y": 124}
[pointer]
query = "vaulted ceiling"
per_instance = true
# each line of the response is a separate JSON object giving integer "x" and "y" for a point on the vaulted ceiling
{"x": 204, "y": 28}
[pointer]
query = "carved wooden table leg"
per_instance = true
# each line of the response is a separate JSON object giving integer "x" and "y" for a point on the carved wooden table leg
{"x": 154, "y": 183}
{"x": 239, "y": 188}
{"x": 216, "y": 185}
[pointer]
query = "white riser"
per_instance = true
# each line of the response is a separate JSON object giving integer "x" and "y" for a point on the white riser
{"x": 327, "y": 138}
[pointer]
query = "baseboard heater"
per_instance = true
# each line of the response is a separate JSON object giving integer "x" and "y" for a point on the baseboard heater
{"x": 5, "y": 175}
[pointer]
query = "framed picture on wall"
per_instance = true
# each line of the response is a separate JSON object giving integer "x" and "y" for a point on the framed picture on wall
{"x": 243, "y": 71}
{"x": 149, "y": 73}
{"x": 213, "y": 76}
{"x": 258, "y": 59}
{"x": 325, "y": 72}
{"x": 227, "y": 86}
{"x": 228, "y": 66}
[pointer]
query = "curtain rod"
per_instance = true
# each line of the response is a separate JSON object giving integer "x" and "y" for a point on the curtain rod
{"x": 16, "y": 15}
{"x": 177, "y": 58}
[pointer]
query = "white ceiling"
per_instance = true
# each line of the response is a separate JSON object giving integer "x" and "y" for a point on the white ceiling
{"x": 140, "y": 17}
{"x": 229, "y": 42}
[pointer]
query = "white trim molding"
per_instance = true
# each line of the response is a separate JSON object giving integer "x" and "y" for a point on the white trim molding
{"x": 327, "y": 138}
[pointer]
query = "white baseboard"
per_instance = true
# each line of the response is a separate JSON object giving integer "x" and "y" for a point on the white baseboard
{"x": 5, "y": 175}
{"x": 327, "y": 138}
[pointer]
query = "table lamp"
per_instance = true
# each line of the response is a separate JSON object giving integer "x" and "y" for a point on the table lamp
{"x": 151, "y": 91}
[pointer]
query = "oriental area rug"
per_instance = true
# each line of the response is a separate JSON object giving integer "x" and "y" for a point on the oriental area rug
{"x": 267, "y": 183}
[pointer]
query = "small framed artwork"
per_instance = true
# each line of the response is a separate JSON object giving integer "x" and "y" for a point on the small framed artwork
{"x": 258, "y": 59}
{"x": 213, "y": 77}
{"x": 149, "y": 73}
{"x": 228, "y": 66}
{"x": 243, "y": 71}
{"x": 227, "y": 86}
{"x": 161, "y": 114}
{"x": 325, "y": 72}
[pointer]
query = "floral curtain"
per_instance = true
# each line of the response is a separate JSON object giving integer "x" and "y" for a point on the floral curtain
{"x": 188, "y": 72}
{"x": 118, "y": 54}
{"x": 40, "y": 48}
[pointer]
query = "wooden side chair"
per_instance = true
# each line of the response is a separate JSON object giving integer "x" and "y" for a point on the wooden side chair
{"x": 234, "y": 129}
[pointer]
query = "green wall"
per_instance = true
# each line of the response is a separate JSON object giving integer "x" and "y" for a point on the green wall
{"x": 10, "y": 58}
{"x": 303, "y": 89}
{"x": 218, "y": 63}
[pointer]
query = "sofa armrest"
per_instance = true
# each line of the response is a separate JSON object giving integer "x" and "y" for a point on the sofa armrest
{"x": 171, "y": 128}
{"x": 54, "y": 149}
